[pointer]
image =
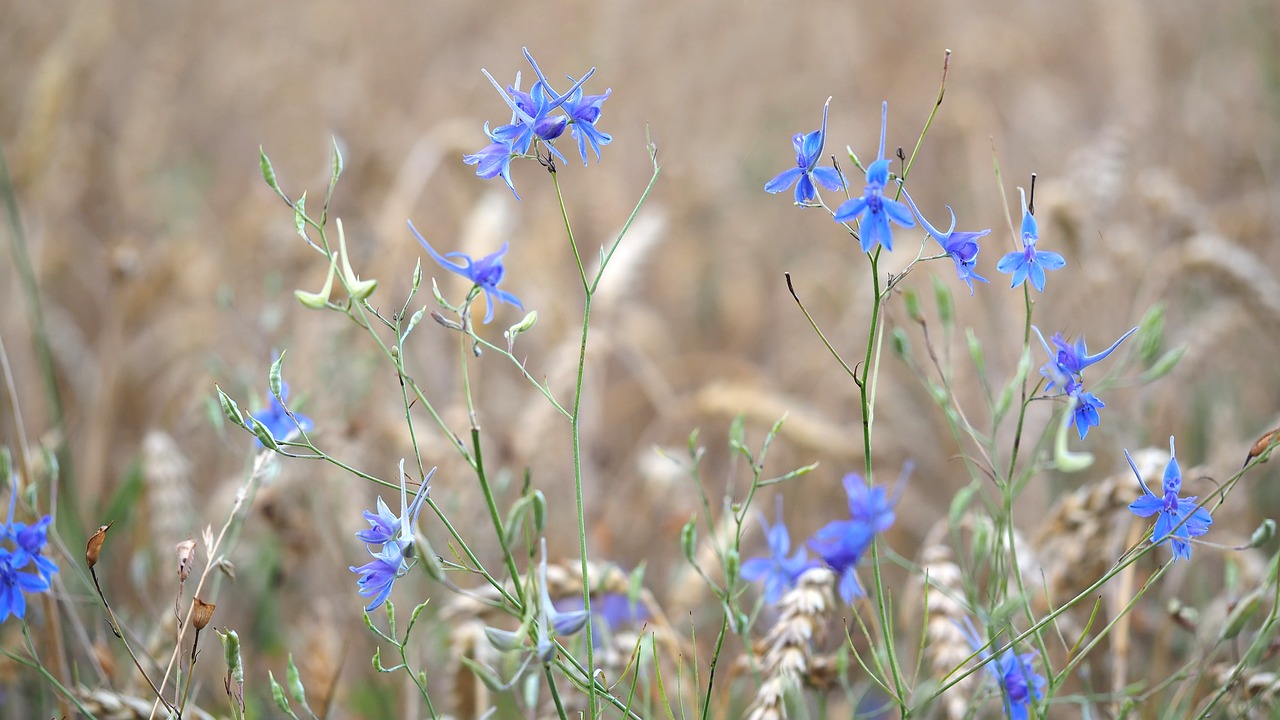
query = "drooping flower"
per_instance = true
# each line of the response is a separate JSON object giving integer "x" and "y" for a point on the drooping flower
{"x": 1178, "y": 519}
{"x": 1029, "y": 262}
{"x": 493, "y": 160}
{"x": 378, "y": 575}
{"x": 584, "y": 111}
{"x": 1085, "y": 413}
{"x": 1015, "y": 673}
{"x": 806, "y": 172}
{"x": 841, "y": 543}
{"x": 486, "y": 273}
{"x": 385, "y": 526}
{"x": 551, "y": 620}
{"x": 277, "y": 419}
{"x": 873, "y": 210}
{"x": 778, "y": 571}
{"x": 962, "y": 247}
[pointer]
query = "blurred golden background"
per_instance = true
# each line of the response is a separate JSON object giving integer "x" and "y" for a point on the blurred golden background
{"x": 165, "y": 265}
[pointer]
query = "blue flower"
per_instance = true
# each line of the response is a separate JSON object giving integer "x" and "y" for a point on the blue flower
{"x": 778, "y": 571}
{"x": 486, "y": 273}
{"x": 841, "y": 543}
{"x": 1070, "y": 359}
{"x": 873, "y": 210}
{"x": 552, "y": 620}
{"x": 806, "y": 172}
{"x": 584, "y": 111}
{"x": 962, "y": 247}
{"x": 493, "y": 160}
{"x": 14, "y": 583}
{"x": 1029, "y": 262}
{"x": 1085, "y": 413}
{"x": 384, "y": 526}
{"x": 378, "y": 575}
{"x": 30, "y": 541}
{"x": 1179, "y": 519}
{"x": 1015, "y": 673}
{"x": 531, "y": 112}
{"x": 277, "y": 419}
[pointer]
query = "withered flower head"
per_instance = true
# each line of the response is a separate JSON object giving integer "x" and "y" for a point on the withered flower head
{"x": 94, "y": 545}
{"x": 202, "y": 613}
{"x": 186, "y": 551}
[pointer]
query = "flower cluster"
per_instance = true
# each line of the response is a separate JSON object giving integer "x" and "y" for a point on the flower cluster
{"x": 534, "y": 117}
{"x": 23, "y": 565}
{"x": 1065, "y": 371}
{"x": 1178, "y": 519}
{"x": 395, "y": 534}
{"x": 840, "y": 544}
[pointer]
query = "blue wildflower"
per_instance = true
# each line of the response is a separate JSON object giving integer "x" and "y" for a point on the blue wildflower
{"x": 486, "y": 273}
{"x": 1070, "y": 359}
{"x": 841, "y": 543}
{"x": 962, "y": 247}
{"x": 806, "y": 172}
{"x": 277, "y": 419}
{"x": 378, "y": 575}
{"x": 1179, "y": 519}
{"x": 778, "y": 571}
{"x": 385, "y": 526}
{"x": 13, "y": 584}
{"x": 1029, "y": 262}
{"x": 531, "y": 112}
{"x": 1085, "y": 412}
{"x": 584, "y": 111}
{"x": 873, "y": 210}
{"x": 493, "y": 160}
{"x": 29, "y": 542}
{"x": 552, "y": 620}
{"x": 1015, "y": 673}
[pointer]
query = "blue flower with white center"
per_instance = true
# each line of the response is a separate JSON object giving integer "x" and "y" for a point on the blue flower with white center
{"x": 806, "y": 172}
{"x": 1015, "y": 673}
{"x": 584, "y": 111}
{"x": 1178, "y": 519}
{"x": 841, "y": 543}
{"x": 486, "y": 273}
{"x": 961, "y": 247}
{"x": 1029, "y": 262}
{"x": 873, "y": 210}
{"x": 278, "y": 420}
{"x": 778, "y": 571}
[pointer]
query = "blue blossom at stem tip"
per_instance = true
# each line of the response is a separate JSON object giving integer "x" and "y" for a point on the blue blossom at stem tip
{"x": 841, "y": 543}
{"x": 1067, "y": 361}
{"x": 1178, "y": 519}
{"x": 385, "y": 526}
{"x": 396, "y": 535}
{"x": 806, "y": 172}
{"x": 584, "y": 111}
{"x": 29, "y": 542}
{"x": 486, "y": 273}
{"x": 873, "y": 210}
{"x": 778, "y": 571}
{"x": 1029, "y": 262}
{"x": 277, "y": 419}
{"x": 962, "y": 247}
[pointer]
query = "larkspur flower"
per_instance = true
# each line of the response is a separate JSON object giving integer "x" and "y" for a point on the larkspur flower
{"x": 778, "y": 571}
{"x": 552, "y": 620}
{"x": 609, "y": 611}
{"x": 532, "y": 111}
{"x": 385, "y": 526}
{"x": 13, "y": 584}
{"x": 962, "y": 247}
{"x": 841, "y": 543}
{"x": 1084, "y": 415}
{"x": 378, "y": 575}
{"x": 584, "y": 111}
{"x": 1178, "y": 519}
{"x": 494, "y": 160}
{"x": 806, "y": 172}
{"x": 486, "y": 273}
{"x": 1029, "y": 262}
{"x": 29, "y": 542}
{"x": 277, "y": 420}
{"x": 873, "y": 210}
{"x": 1067, "y": 361}
{"x": 1015, "y": 673}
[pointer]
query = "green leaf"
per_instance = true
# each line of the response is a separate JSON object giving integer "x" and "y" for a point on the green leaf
{"x": 689, "y": 540}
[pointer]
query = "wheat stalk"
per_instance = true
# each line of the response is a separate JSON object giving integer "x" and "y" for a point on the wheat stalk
{"x": 788, "y": 648}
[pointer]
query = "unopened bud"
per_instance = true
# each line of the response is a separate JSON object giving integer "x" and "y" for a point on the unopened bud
{"x": 186, "y": 551}
{"x": 94, "y": 545}
{"x": 201, "y": 613}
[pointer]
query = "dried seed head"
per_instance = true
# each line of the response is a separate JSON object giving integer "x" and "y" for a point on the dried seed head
{"x": 94, "y": 545}
{"x": 186, "y": 551}
{"x": 202, "y": 613}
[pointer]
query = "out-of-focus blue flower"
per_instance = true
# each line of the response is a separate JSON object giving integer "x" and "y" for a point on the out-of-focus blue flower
{"x": 778, "y": 571}
{"x": 552, "y": 620}
{"x": 31, "y": 539}
{"x": 584, "y": 111}
{"x": 609, "y": 611}
{"x": 29, "y": 542}
{"x": 493, "y": 160}
{"x": 841, "y": 543}
{"x": 277, "y": 420}
{"x": 962, "y": 247}
{"x": 1178, "y": 519}
{"x": 1029, "y": 262}
{"x": 486, "y": 273}
{"x": 378, "y": 575}
{"x": 13, "y": 584}
{"x": 873, "y": 210}
{"x": 806, "y": 172}
{"x": 1015, "y": 673}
